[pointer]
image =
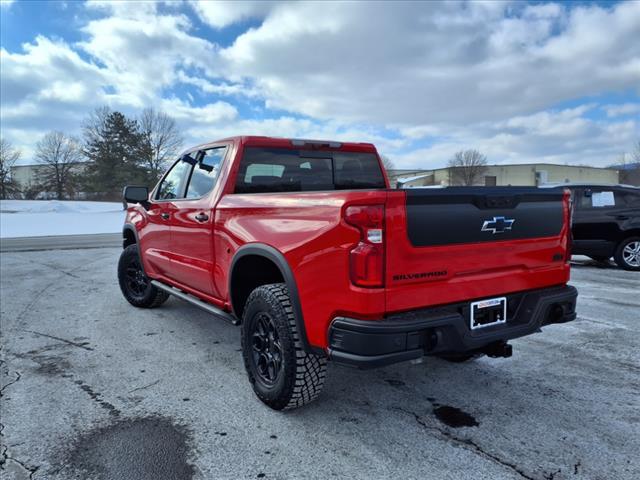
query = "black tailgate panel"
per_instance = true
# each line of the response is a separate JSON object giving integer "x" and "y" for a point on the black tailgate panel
{"x": 456, "y": 215}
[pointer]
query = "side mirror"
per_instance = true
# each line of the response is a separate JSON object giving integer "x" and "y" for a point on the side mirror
{"x": 189, "y": 159}
{"x": 588, "y": 192}
{"x": 135, "y": 194}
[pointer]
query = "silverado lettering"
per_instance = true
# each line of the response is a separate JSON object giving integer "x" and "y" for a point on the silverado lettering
{"x": 415, "y": 276}
{"x": 304, "y": 245}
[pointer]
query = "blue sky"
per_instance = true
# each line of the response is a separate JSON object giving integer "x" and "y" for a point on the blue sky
{"x": 548, "y": 82}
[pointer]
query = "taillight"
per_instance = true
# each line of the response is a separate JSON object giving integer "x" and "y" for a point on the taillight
{"x": 366, "y": 259}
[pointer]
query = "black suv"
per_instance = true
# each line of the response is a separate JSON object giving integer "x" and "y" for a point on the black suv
{"x": 606, "y": 223}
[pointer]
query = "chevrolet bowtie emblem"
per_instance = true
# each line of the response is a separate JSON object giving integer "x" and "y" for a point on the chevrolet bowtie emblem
{"x": 497, "y": 225}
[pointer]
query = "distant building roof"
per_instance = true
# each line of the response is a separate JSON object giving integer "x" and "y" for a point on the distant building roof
{"x": 626, "y": 166}
{"x": 411, "y": 179}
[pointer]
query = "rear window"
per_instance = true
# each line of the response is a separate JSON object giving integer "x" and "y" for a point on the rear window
{"x": 282, "y": 170}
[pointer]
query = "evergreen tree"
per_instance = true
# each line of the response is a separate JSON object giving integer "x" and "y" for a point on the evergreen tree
{"x": 115, "y": 148}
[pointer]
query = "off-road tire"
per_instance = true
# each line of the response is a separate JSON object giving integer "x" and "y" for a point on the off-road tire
{"x": 146, "y": 296}
{"x": 300, "y": 375}
{"x": 619, "y": 255}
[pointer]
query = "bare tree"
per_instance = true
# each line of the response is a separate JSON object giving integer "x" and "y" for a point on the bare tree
{"x": 59, "y": 153}
{"x": 467, "y": 167}
{"x": 163, "y": 138}
{"x": 387, "y": 163}
{"x": 628, "y": 166}
{"x": 94, "y": 124}
{"x": 9, "y": 155}
{"x": 630, "y": 170}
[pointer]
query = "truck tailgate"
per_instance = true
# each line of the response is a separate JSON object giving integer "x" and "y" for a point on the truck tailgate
{"x": 460, "y": 243}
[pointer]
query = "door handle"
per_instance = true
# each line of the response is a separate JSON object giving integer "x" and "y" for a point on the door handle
{"x": 165, "y": 216}
{"x": 621, "y": 217}
{"x": 202, "y": 217}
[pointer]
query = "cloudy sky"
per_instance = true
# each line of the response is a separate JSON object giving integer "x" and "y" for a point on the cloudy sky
{"x": 540, "y": 82}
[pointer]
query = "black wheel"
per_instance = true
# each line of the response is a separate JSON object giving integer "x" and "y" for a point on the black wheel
{"x": 282, "y": 374}
{"x": 599, "y": 258}
{"x": 627, "y": 254}
{"x": 461, "y": 357}
{"x": 135, "y": 285}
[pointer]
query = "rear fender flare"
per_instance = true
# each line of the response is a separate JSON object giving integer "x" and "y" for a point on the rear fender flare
{"x": 270, "y": 253}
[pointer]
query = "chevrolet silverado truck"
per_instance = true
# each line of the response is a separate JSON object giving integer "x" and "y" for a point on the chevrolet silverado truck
{"x": 304, "y": 245}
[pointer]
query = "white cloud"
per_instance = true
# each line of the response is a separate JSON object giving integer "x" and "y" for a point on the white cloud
{"x": 421, "y": 62}
{"x": 47, "y": 86}
{"x": 221, "y": 88}
{"x": 564, "y": 136}
{"x": 622, "y": 109}
{"x": 211, "y": 113}
{"x": 220, "y": 14}
{"x": 399, "y": 74}
{"x": 142, "y": 50}
{"x": 134, "y": 54}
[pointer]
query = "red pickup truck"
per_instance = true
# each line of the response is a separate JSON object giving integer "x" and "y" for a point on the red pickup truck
{"x": 304, "y": 245}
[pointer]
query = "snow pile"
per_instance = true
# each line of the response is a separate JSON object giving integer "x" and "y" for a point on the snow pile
{"x": 38, "y": 218}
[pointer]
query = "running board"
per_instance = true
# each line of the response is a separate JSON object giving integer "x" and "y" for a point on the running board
{"x": 196, "y": 301}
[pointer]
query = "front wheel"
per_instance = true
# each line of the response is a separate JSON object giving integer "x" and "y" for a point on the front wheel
{"x": 282, "y": 374}
{"x": 628, "y": 254}
{"x": 136, "y": 287}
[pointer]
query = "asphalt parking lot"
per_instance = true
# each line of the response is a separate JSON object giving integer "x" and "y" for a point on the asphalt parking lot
{"x": 93, "y": 388}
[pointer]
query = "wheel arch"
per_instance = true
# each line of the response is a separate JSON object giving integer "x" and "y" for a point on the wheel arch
{"x": 129, "y": 235}
{"x": 275, "y": 269}
{"x": 625, "y": 234}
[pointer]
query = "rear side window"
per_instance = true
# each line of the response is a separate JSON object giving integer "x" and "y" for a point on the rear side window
{"x": 283, "y": 170}
{"x": 592, "y": 198}
{"x": 628, "y": 199}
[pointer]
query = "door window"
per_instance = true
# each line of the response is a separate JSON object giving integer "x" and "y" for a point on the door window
{"x": 172, "y": 185}
{"x": 205, "y": 172}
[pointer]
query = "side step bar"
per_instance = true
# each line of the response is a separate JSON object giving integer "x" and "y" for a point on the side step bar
{"x": 196, "y": 301}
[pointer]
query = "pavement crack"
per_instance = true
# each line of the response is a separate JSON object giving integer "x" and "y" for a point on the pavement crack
{"x": 466, "y": 443}
{"x": 145, "y": 386}
{"x": 28, "y": 307}
{"x": 55, "y": 268}
{"x": 6, "y": 457}
{"x": 69, "y": 342}
{"x": 18, "y": 376}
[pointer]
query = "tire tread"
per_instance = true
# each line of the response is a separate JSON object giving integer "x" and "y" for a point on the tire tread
{"x": 154, "y": 297}
{"x": 309, "y": 371}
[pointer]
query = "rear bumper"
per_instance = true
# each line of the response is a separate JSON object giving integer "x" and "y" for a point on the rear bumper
{"x": 444, "y": 330}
